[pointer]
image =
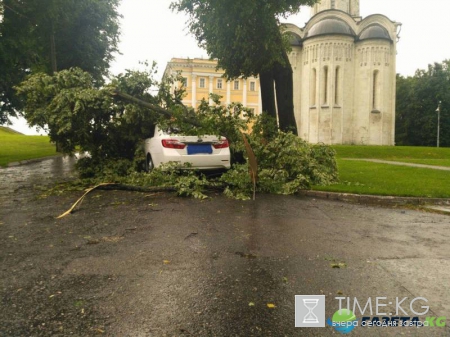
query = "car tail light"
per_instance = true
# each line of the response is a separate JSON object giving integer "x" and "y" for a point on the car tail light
{"x": 221, "y": 144}
{"x": 173, "y": 144}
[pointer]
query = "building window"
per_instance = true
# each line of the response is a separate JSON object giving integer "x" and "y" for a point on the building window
{"x": 337, "y": 87}
{"x": 313, "y": 87}
{"x": 252, "y": 86}
{"x": 375, "y": 90}
{"x": 184, "y": 82}
{"x": 236, "y": 85}
{"x": 202, "y": 83}
{"x": 219, "y": 83}
{"x": 325, "y": 86}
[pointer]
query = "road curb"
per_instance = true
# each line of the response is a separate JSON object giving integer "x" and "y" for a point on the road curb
{"x": 376, "y": 199}
{"x": 30, "y": 161}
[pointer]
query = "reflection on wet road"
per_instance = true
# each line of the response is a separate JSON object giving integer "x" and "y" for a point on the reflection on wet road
{"x": 26, "y": 177}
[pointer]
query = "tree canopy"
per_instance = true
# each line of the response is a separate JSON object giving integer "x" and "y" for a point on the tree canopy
{"x": 246, "y": 39}
{"x": 50, "y": 35}
{"x": 418, "y": 97}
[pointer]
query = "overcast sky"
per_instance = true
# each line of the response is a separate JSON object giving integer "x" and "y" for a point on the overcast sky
{"x": 152, "y": 32}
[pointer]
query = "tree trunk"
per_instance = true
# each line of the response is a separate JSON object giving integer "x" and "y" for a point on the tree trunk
{"x": 268, "y": 93}
{"x": 284, "y": 87}
{"x": 53, "y": 50}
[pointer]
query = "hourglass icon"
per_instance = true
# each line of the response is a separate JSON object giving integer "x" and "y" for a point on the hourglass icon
{"x": 310, "y": 304}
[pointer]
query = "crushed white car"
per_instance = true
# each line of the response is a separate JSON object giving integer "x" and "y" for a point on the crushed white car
{"x": 201, "y": 152}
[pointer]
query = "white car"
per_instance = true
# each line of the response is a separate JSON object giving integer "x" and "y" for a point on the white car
{"x": 202, "y": 152}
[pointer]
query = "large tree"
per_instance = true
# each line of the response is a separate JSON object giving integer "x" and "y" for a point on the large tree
{"x": 417, "y": 100}
{"x": 50, "y": 35}
{"x": 246, "y": 38}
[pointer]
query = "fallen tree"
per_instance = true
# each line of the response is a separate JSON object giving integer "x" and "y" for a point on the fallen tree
{"x": 111, "y": 122}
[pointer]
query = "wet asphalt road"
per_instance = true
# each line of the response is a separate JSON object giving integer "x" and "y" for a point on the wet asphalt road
{"x": 166, "y": 266}
{"x": 23, "y": 178}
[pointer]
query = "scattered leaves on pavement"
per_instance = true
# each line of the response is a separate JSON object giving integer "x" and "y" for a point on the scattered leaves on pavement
{"x": 338, "y": 265}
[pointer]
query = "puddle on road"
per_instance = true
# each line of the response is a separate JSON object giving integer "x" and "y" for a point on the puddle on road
{"x": 25, "y": 177}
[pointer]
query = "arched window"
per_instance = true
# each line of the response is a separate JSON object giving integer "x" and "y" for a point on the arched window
{"x": 375, "y": 90}
{"x": 313, "y": 87}
{"x": 325, "y": 85}
{"x": 337, "y": 88}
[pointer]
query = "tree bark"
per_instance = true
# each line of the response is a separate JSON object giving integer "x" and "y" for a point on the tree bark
{"x": 284, "y": 86}
{"x": 268, "y": 93}
{"x": 53, "y": 61}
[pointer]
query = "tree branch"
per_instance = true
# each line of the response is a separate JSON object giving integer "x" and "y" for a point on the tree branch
{"x": 165, "y": 112}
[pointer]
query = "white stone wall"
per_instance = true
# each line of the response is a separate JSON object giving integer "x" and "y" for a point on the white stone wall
{"x": 373, "y": 113}
{"x": 326, "y": 105}
{"x": 357, "y": 104}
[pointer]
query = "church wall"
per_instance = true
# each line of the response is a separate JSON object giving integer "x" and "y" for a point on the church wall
{"x": 344, "y": 87}
{"x": 373, "y": 114}
{"x": 327, "y": 76}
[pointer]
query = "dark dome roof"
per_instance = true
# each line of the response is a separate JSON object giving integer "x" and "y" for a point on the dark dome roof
{"x": 330, "y": 26}
{"x": 374, "y": 32}
{"x": 294, "y": 39}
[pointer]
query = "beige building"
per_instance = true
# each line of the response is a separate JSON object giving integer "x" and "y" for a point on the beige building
{"x": 201, "y": 78}
{"x": 344, "y": 75}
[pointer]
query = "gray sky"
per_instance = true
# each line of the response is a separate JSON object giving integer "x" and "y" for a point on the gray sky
{"x": 152, "y": 32}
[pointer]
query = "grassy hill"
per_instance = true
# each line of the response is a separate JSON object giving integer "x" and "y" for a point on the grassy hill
{"x": 9, "y": 131}
{"x": 15, "y": 146}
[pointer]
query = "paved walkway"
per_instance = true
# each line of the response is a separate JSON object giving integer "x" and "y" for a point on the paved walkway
{"x": 399, "y": 163}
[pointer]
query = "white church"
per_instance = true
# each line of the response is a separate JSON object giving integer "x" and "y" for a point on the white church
{"x": 344, "y": 75}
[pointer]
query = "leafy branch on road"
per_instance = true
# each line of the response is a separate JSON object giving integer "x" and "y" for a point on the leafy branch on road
{"x": 110, "y": 123}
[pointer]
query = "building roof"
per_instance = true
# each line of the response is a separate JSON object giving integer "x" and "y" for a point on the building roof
{"x": 330, "y": 26}
{"x": 374, "y": 31}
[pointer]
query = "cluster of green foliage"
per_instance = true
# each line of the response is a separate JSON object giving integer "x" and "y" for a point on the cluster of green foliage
{"x": 286, "y": 165}
{"x": 78, "y": 115}
{"x": 50, "y": 35}
{"x": 417, "y": 100}
{"x": 111, "y": 129}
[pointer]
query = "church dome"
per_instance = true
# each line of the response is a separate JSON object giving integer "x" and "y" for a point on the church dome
{"x": 330, "y": 27}
{"x": 294, "y": 39}
{"x": 374, "y": 32}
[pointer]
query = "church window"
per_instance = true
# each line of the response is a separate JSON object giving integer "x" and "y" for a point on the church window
{"x": 337, "y": 87}
{"x": 325, "y": 86}
{"x": 375, "y": 90}
{"x": 313, "y": 87}
{"x": 202, "y": 82}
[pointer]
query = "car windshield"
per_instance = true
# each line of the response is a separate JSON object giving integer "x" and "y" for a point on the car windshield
{"x": 171, "y": 130}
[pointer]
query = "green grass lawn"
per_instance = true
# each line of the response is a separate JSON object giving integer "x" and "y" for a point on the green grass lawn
{"x": 396, "y": 153}
{"x": 382, "y": 179}
{"x": 16, "y": 147}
